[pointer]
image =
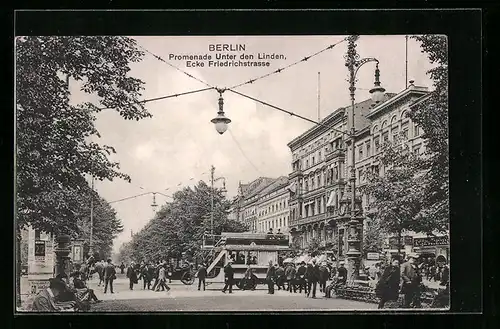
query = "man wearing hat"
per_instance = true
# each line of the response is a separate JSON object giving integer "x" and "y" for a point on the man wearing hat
{"x": 301, "y": 277}
{"x": 229, "y": 275}
{"x": 411, "y": 276}
{"x": 201, "y": 274}
{"x": 342, "y": 273}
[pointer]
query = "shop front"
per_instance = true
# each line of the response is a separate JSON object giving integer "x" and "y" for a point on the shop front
{"x": 433, "y": 248}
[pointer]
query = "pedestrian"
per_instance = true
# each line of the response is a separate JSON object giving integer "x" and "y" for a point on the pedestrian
{"x": 249, "y": 279}
{"x": 109, "y": 276}
{"x": 312, "y": 277}
{"x": 280, "y": 277}
{"x": 387, "y": 288}
{"x": 122, "y": 268}
{"x": 201, "y": 274}
{"x": 342, "y": 274}
{"x": 162, "y": 279}
{"x": 412, "y": 278}
{"x": 132, "y": 275}
{"x": 229, "y": 277}
{"x": 270, "y": 275}
{"x": 301, "y": 277}
{"x": 324, "y": 274}
{"x": 290, "y": 277}
{"x": 146, "y": 277}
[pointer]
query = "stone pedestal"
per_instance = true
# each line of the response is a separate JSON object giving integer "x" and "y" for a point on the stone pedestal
{"x": 62, "y": 251}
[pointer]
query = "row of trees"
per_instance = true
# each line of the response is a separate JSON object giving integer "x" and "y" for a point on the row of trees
{"x": 413, "y": 193}
{"x": 177, "y": 228}
{"x": 55, "y": 141}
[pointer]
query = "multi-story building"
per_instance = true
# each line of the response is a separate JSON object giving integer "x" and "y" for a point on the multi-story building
{"x": 272, "y": 206}
{"x": 244, "y": 205}
{"x": 321, "y": 163}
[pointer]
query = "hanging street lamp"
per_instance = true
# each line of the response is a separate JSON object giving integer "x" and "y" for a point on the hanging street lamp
{"x": 221, "y": 121}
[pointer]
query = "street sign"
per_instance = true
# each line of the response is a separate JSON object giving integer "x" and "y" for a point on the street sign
{"x": 372, "y": 256}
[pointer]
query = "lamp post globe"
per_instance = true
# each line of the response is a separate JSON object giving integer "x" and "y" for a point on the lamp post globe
{"x": 221, "y": 123}
{"x": 377, "y": 91}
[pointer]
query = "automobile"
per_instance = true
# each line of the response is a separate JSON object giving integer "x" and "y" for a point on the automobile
{"x": 185, "y": 274}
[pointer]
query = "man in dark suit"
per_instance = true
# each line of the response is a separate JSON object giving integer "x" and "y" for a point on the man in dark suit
{"x": 312, "y": 277}
{"x": 410, "y": 273}
{"x": 109, "y": 276}
{"x": 202, "y": 274}
{"x": 229, "y": 274}
{"x": 271, "y": 271}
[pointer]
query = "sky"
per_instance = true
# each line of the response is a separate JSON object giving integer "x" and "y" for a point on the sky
{"x": 177, "y": 146}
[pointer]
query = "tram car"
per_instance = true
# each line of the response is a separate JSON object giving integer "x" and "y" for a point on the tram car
{"x": 246, "y": 250}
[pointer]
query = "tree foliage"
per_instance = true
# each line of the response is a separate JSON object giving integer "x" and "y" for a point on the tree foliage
{"x": 53, "y": 147}
{"x": 179, "y": 225}
{"x": 413, "y": 193}
{"x": 373, "y": 236}
{"x": 313, "y": 246}
{"x": 432, "y": 116}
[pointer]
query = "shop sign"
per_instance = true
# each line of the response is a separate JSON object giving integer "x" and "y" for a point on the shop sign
{"x": 372, "y": 256}
{"x": 430, "y": 241}
{"x": 37, "y": 285}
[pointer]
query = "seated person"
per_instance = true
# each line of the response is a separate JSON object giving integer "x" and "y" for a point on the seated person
{"x": 83, "y": 293}
{"x": 249, "y": 280}
{"x": 47, "y": 299}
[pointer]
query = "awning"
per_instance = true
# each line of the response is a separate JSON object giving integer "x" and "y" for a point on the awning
{"x": 331, "y": 199}
{"x": 303, "y": 258}
{"x": 288, "y": 260}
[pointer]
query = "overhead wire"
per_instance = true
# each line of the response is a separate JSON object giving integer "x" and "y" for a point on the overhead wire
{"x": 161, "y": 97}
{"x": 243, "y": 152}
{"x": 287, "y": 112}
{"x": 175, "y": 67}
{"x": 279, "y": 70}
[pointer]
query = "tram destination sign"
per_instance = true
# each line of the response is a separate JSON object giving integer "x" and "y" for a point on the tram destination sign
{"x": 430, "y": 241}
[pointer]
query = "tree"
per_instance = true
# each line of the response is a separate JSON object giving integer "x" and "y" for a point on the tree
{"x": 179, "y": 225}
{"x": 54, "y": 147}
{"x": 373, "y": 236}
{"x": 432, "y": 116}
{"x": 396, "y": 196}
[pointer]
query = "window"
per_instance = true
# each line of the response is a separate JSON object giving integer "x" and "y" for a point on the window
{"x": 313, "y": 162}
{"x": 361, "y": 176}
{"x": 307, "y": 164}
{"x": 37, "y": 235}
{"x": 385, "y": 137}
{"x": 417, "y": 131}
{"x": 405, "y": 131}
{"x": 319, "y": 156}
{"x": 360, "y": 157}
{"x": 394, "y": 134}
{"x": 376, "y": 170}
{"x": 368, "y": 149}
{"x": 376, "y": 141}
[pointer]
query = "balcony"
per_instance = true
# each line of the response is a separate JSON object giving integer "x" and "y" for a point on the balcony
{"x": 310, "y": 219}
{"x": 295, "y": 173}
{"x": 335, "y": 154}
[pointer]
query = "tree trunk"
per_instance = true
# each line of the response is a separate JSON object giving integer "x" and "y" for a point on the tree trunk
{"x": 399, "y": 244}
{"x": 18, "y": 267}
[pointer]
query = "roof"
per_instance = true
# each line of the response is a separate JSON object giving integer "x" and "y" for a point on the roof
{"x": 277, "y": 184}
{"x": 361, "y": 110}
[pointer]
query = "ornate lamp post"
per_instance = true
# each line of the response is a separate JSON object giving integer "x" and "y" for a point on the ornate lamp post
{"x": 355, "y": 224}
{"x": 62, "y": 251}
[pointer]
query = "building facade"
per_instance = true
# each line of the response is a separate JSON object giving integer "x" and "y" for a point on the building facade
{"x": 272, "y": 207}
{"x": 321, "y": 164}
{"x": 244, "y": 205}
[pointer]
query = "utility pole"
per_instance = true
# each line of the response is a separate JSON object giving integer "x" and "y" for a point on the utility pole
{"x": 406, "y": 62}
{"x": 212, "y": 170}
{"x": 91, "y": 246}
